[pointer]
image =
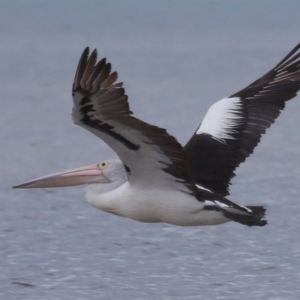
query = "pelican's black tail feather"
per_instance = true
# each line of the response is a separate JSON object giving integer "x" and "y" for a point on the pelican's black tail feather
{"x": 255, "y": 216}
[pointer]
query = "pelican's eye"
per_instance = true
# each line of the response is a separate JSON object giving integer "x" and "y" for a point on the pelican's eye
{"x": 103, "y": 164}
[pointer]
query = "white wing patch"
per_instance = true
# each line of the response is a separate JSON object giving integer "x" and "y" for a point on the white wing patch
{"x": 222, "y": 118}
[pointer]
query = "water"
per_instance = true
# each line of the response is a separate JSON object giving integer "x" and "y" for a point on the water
{"x": 176, "y": 60}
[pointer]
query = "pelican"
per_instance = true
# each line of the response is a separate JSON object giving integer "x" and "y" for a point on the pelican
{"x": 155, "y": 179}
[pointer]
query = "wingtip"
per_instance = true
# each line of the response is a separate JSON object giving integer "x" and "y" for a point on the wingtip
{"x": 94, "y": 53}
{"x": 86, "y": 50}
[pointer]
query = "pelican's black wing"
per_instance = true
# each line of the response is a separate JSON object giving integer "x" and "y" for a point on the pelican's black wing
{"x": 233, "y": 126}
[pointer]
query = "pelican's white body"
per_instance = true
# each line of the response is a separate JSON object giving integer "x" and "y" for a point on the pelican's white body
{"x": 152, "y": 206}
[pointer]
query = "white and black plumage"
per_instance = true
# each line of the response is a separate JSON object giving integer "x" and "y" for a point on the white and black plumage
{"x": 156, "y": 179}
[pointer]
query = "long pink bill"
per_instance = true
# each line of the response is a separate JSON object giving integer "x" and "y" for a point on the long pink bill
{"x": 83, "y": 175}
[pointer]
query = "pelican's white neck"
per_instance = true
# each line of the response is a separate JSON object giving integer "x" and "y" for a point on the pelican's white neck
{"x": 106, "y": 197}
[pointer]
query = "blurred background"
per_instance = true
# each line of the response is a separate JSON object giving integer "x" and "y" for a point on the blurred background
{"x": 176, "y": 58}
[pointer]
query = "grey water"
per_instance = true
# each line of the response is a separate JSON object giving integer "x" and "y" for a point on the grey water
{"x": 176, "y": 58}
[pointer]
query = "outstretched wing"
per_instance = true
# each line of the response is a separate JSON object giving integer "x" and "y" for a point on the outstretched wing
{"x": 150, "y": 155}
{"x": 233, "y": 126}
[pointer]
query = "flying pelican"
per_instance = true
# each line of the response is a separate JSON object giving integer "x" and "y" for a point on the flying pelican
{"x": 156, "y": 179}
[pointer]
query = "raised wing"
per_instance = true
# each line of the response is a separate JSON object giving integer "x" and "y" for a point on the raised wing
{"x": 233, "y": 126}
{"x": 150, "y": 155}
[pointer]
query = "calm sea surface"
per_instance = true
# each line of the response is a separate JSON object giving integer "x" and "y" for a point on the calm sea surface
{"x": 176, "y": 59}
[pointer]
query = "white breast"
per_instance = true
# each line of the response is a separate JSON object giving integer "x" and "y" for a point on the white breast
{"x": 151, "y": 206}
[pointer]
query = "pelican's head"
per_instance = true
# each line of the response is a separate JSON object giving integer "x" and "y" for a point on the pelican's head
{"x": 105, "y": 172}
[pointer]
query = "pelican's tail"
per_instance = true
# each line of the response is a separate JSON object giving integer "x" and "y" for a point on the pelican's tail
{"x": 254, "y": 216}
{"x": 246, "y": 215}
